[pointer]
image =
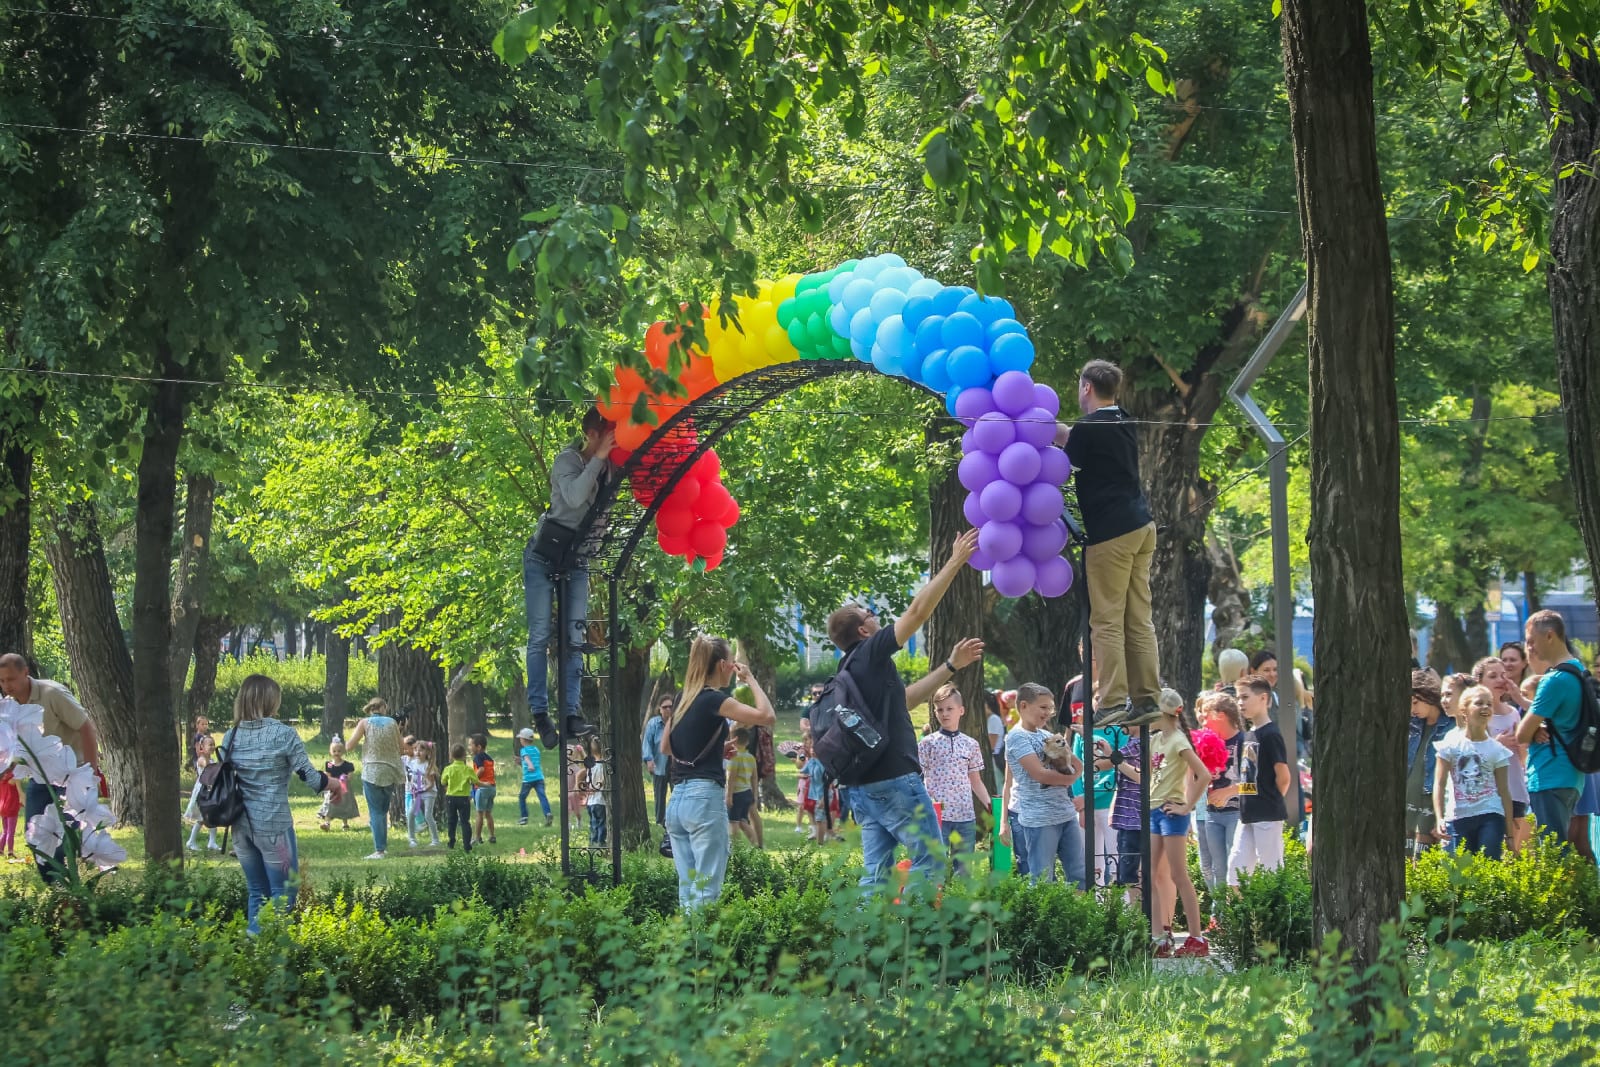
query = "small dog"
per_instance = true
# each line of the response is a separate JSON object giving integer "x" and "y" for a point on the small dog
{"x": 1058, "y": 753}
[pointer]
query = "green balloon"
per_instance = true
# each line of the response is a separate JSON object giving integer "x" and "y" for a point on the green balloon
{"x": 787, "y": 312}
{"x": 796, "y": 329}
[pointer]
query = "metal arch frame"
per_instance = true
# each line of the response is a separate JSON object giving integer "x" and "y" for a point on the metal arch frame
{"x": 612, "y": 551}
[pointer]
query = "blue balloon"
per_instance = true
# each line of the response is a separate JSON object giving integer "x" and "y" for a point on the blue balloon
{"x": 860, "y": 351}
{"x": 928, "y": 287}
{"x": 837, "y": 283}
{"x": 934, "y": 373}
{"x": 863, "y": 327}
{"x": 911, "y": 365}
{"x": 887, "y": 301}
{"x": 1004, "y": 326}
{"x": 948, "y": 299}
{"x": 962, "y": 329}
{"x": 896, "y": 340}
{"x": 886, "y": 362}
{"x": 985, "y": 309}
{"x": 1011, "y": 351}
{"x": 857, "y": 295}
{"x": 929, "y": 336}
{"x": 891, "y": 260}
{"x": 916, "y": 309}
{"x": 950, "y": 399}
{"x": 900, "y": 278}
{"x": 968, "y": 366}
{"x": 839, "y": 320}
{"x": 873, "y": 266}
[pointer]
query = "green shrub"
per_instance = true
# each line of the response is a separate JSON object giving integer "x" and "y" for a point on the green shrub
{"x": 1046, "y": 927}
{"x": 1270, "y": 913}
{"x": 301, "y": 679}
{"x": 1547, "y": 889}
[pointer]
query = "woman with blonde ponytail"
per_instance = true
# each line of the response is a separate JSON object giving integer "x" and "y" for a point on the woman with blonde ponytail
{"x": 697, "y": 813}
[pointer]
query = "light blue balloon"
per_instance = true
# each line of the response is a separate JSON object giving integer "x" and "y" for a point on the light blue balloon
{"x": 886, "y": 302}
{"x": 962, "y": 329}
{"x": 886, "y": 362}
{"x": 839, "y": 320}
{"x": 915, "y": 310}
{"x": 836, "y": 285}
{"x": 860, "y": 351}
{"x": 871, "y": 267}
{"x": 948, "y": 299}
{"x": 894, "y": 338}
{"x": 929, "y": 336}
{"x": 935, "y": 375}
{"x": 892, "y": 260}
{"x": 985, "y": 309}
{"x": 901, "y": 278}
{"x": 863, "y": 327}
{"x": 928, "y": 287}
{"x": 968, "y": 366}
{"x": 857, "y": 295}
{"x": 1010, "y": 351}
{"x": 1004, "y": 326}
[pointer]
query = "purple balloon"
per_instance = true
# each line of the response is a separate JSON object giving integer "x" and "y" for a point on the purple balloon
{"x": 1013, "y": 392}
{"x": 993, "y": 432}
{"x": 1045, "y": 397}
{"x": 1001, "y": 501}
{"x": 1054, "y": 576}
{"x": 1013, "y": 577}
{"x": 974, "y": 403}
{"x": 981, "y": 560}
{"x": 1020, "y": 463}
{"x": 977, "y": 470}
{"x": 1001, "y": 540}
{"x": 973, "y": 510}
{"x": 968, "y": 443}
{"x": 1037, "y": 427}
{"x": 1042, "y": 542}
{"x": 1054, "y": 466}
{"x": 1041, "y": 503}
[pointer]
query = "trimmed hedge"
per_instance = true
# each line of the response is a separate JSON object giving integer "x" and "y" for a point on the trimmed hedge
{"x": 301, "y": 679}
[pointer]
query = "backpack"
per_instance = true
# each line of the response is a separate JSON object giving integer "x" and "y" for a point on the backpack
{"x": 1583, "y": 745}
{"x": 844, "y": 738}
{"x": 221, "y": 800}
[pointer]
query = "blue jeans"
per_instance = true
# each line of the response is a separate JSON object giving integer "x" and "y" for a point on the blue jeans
{"x": 271, "y": 865}
{"x": 967, "y": 845}
{"x": 377, "y": 797}
{"x": 1219, "y": 830}
{"x": 535, "y": 786}
{"x": 39, "y": 797}
{"x": 1019, "y": 845}
{"x": 1552, "y": 809}
{"x": 1063, "y": 840}
{"x": 538, "y": 598}
{"x": 897, "y": 811}
{"x": 697, "y": 823}
{"x": 1482, "y": 833}
{"x": 597, "y": 824}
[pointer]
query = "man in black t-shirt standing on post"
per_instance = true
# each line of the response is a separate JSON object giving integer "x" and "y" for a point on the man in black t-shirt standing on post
{"x": 1104, "y": 450}
{"x": 891, "y": 804}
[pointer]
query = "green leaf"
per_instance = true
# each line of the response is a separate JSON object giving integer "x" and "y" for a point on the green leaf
{"x": 519, "y": 38}
{"x": 944, "y": 164}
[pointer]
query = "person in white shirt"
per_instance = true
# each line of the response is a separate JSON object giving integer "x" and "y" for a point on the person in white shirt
{"x": 1472, "y": 766}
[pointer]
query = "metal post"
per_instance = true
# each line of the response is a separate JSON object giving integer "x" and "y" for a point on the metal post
{"x": 562, "y": 638}
{"x": 613, "y": 814}
{"x": 1278, "y": 490}
{"x": 1086, "y": 689}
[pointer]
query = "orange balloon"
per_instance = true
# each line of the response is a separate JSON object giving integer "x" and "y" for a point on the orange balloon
{"x": 656, "y": 345}
{"x": 631, "y": 382}
{"x": 631, "y": 435}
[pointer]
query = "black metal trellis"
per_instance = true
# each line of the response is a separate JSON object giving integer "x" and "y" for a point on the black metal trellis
{"x": 616, "y": 524}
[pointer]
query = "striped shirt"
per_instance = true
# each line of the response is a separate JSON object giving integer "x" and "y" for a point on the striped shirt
{"x": 266, "y": 752}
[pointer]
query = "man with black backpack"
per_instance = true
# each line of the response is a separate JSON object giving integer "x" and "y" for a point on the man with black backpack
{"x": 872, "y": 748}
{"x": 1562, "y": 729}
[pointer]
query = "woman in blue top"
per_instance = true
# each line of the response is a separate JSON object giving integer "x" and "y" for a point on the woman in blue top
{"x": 655, "y": 757}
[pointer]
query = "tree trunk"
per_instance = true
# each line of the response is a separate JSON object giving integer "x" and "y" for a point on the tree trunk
{"x": 16, "y": 533}
{"x": 1037, "y": 639}
{"x": 152, "y": 614}
{"x": 517, "y": 703}
{"x": 335, "y": 686}
{"x": 207, "y": 654}
{"x": 291, "y": 638}
{"x": 1530, "y": 592}
{"x": 1360, "y": 637}
{"x": 1447, "y": 646}
{"x": 960, "y": 614}
{"x": 466, "y": 712}
{"x": 409, "y": 677}
{"x": 194, "y": 557}
{"x": 1572, "y": 274}
{"x": 98, "y": 653}
{"x": 631, "y": 812}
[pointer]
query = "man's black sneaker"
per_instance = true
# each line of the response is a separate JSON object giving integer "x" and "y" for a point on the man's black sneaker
{"x": 1142, "y": 714}
{"x": 1113, "y": 715}
{"x": 548, "y": 737}
{"x": 577, "y": 727}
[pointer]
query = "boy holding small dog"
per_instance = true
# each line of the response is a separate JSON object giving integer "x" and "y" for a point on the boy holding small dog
{"x": 1040, "y": 770}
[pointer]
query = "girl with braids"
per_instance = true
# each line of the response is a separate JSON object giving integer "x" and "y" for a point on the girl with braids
{"x": 696, "y": 731}
{"x": 1178, "y": 779}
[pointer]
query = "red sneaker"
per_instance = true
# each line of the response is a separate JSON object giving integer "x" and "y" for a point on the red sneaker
{"x": 1194, "y": 946}
{"x": 1164, "y": 948}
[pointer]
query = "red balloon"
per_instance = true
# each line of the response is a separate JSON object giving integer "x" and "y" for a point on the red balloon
{"x": 708, "y": 539}
{"x": 687, "y": 492}
{"x": 713, "y": 502}
{"x": 674, "y": 520}
{"x": 713, "y": 562}
{"x": 619, "y": 456}
{"x": 708, "y": 466}
{"x": 731, "y": 516}
{"x": 672, "y": 546}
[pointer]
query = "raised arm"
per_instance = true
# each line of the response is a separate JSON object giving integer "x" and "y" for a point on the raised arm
{"x": 966, "y": 652}
{"x": 760, "y": 715}
{"x": 916, "y": 616}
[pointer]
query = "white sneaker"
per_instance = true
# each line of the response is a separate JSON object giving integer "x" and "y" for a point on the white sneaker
{"x": 411, "y": 841}
{"x": 213, "y": 847}
{"x": 193, "y": 847}
{"x": 376, "y": 856}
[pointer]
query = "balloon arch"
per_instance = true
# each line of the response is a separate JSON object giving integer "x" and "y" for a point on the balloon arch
{"x": 874, "y": 315}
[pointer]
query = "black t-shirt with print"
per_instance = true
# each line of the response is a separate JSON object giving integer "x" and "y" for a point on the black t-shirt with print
{"x": 1231, "y": 773}
{"x": 1260, "y": 799}
{"x": 884, "y": 690}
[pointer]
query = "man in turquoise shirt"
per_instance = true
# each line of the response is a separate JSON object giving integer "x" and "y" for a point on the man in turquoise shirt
{"x": 1553, "y": 782}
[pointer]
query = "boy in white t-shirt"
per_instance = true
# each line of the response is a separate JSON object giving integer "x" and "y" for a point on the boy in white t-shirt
{"x": 1472, "y": 766}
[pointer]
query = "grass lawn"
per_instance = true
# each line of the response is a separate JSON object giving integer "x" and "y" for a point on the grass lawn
{"x": 338, "y": 853}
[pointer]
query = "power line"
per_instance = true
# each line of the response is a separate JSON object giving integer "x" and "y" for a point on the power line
{"x": 711, "y": 405}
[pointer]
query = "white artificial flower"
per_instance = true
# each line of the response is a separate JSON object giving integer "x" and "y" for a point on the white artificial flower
{"x": 45, "y": 831}
{"x": 95, "y": 816}
{"x": 8, "y": 744}
{"x": 81, "y": 790}
{"x": 44, "y": 758}
{"x": 21, "y": 715}
{"x": 100, "y": 850}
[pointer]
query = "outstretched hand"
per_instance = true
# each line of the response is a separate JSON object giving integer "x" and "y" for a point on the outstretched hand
{"x": 962, "y": 548}
{"x": 967, "y": 652}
